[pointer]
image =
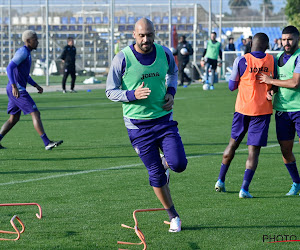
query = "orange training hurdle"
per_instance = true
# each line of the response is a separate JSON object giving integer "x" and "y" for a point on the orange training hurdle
{"x": 136, "y": 228}
{"x": 17, "y": 231}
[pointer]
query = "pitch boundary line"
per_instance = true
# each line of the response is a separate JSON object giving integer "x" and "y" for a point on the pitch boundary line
{"x": 111, "y": 168}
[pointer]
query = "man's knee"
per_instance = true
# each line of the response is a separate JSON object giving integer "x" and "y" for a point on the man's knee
{"x": 177, "y": 164}
{"x": 157, "y": 179}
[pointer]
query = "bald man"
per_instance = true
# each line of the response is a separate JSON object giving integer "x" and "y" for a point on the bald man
{"x": 18, "y": 98}
{"x": 144, "y": 77}
{"x": 253, "y": 110}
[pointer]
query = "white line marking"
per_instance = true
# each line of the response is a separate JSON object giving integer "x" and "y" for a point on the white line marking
{"x": 112, "y": 168}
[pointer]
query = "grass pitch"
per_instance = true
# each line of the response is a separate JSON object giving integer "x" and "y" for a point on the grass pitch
{"x": 92, "y": 183}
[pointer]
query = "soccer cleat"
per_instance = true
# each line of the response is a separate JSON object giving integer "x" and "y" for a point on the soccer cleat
{"x": 220, "y": 186}
{"x": 1, "y": 147}
{"x": 64, "y": 91}
{"x": 73, "y": 91}
{"x": 53, "y": 144}
{"x": 212, "y": 87}
{"x": 244, "y": 194}
{"x": 175, "y": 225}
{"x": 294, "y": 189}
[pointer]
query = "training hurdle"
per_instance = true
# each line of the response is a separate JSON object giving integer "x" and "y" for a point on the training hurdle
{"x": 15, "y": 217}
{"x": 137, "y": 230}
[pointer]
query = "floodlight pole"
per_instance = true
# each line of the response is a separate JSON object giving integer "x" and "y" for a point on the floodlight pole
{"x": 9, "y": 30}
{"x": 209, "y": 18}
{"x": 195, "y": 33}
{"x": 47, "y": 43}
{"x": 170, "y": 23}
{"x": 112, "y": 29}
{"x": 220, "y": 22}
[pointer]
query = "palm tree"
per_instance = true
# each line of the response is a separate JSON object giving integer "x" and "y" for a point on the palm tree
{"x": 236, "y": 5}
{"x": 267, "y": 6}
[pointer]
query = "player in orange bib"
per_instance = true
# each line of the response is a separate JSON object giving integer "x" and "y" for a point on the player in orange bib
{"x": 253, "y": 110}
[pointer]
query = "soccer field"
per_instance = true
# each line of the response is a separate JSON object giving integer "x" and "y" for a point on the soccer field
{"x": 92, "y": 183}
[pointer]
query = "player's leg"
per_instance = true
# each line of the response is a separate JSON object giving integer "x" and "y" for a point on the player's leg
{"x": 213, "y": 73}
{"x": 15, "y": 113}
{"x": 38, "y": 125}
{"x": 8, "y": 125}
{"x": 240, "y": 124}
{"x": 73, "y": 79}
{"x": 64, "y": 79}
{"x": 251, "y": 165}
{"x": 148, "y": 151}
{"x": 181, "y": 73}
{"x": 257, "y": 138}
{"x": 207, "y": 67}
{"x": 286, "y": 125}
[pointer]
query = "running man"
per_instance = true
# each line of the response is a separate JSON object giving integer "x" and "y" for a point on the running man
{"x": 138, "y": 78}
{"x": 253, "y": 110}
{"x": 287, "y": 101}
{"x": 18, "y": 98}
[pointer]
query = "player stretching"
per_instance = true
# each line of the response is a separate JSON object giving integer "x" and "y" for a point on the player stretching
{"x": 137, "y": 78}
{"x": 18, "y": 98}
{"x": 287, "y": 101}
{"x": 252, "y": 110}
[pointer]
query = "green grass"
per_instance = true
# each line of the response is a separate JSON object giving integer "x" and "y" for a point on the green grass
{"x": 85, "y": 199}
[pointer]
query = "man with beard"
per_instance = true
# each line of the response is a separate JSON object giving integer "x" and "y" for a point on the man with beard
{"x": 138, "y": 78}
{"x": 287, "y": 101}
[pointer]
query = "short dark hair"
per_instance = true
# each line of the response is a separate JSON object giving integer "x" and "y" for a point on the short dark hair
{"x": 70, "y": 38}
{"x": 290, "y": 30}
{"x": 213, "y": 33}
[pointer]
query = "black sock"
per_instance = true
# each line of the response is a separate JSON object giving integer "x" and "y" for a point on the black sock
{"x": 172, "y": 212}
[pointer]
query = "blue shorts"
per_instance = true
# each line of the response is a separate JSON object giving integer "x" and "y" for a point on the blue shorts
{"x": 256, "y": 126}
{"x": 148, "y": 140}
{"x": 287, "y": 123}
{"x": 24, "y": 103}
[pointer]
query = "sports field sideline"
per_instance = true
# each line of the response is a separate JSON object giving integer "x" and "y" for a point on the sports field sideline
{"x": 92, "y": 183}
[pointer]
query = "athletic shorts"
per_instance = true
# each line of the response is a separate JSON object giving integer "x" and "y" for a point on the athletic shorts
{"x": 256, "y": 126}
{"x": 212, "y": 62}
{"x": 148, "y": 140}
{"x": 287, "y": 123}
{"x": 23, "y": 103}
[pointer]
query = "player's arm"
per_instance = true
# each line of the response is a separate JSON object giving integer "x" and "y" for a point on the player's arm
{"x": 237, "y": 72}
{"x": 171, "y": 81}
{"x": 114, "y": 82}
{"x": 292, "y": 83}
{"x": 19, "y": 57}
{"x": 34, "y": 84}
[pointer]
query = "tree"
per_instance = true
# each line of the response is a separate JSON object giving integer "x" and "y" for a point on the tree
{"x": 267, "y": 6}
{"x": 236, "y": 5}
{"x": 292, "y": 10}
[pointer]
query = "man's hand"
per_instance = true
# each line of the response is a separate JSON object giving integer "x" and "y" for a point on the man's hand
{"x": 141, "y": 92}
{"x": 169, "y": 102}
{"x": 15, "y": 91}
{"x": 270, "y": 94}
{"x": 39, "y": 88}
{"x": 263, "y": 78}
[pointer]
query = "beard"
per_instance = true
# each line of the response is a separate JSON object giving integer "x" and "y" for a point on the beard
{"x": 290, "y": 49}
{"x": 145, "y": 49}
